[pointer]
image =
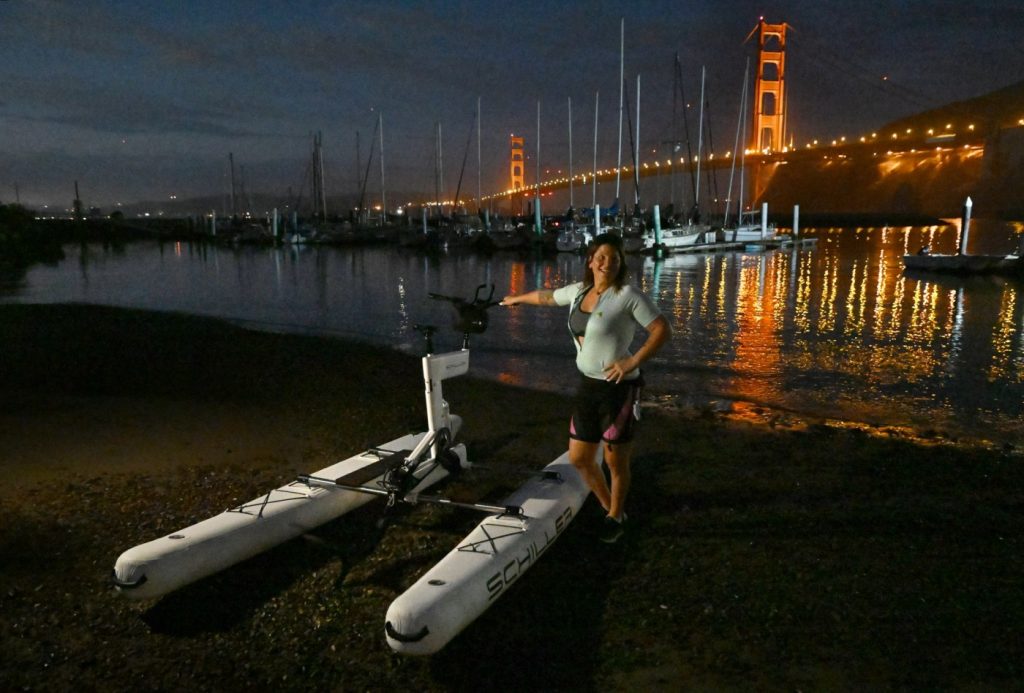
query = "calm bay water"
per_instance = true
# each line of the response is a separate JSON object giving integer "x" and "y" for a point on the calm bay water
{"x": 832, "y": 330}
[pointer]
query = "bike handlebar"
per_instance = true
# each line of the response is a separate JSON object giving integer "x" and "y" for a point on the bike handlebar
{"x": 477, "y": 301}
{"x": 472, "y": 315}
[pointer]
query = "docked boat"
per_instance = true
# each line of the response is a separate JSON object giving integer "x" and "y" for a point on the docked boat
{"x": 248, "y": 233}
{"x": 300, "y": 235}
{"x": 750, "y": 229}
{"x": 492, "y": 558}
{"x": 574, "y": 239}
{"x": 506, "y": 236}
{"x": 676, "y": 237}
{"x": 632, "y": 233}
{"x": 965, "y": 264}
{"x": 746, "y": 233}
{"x": 456, "y": 235}
{"x": 415, "y": 237}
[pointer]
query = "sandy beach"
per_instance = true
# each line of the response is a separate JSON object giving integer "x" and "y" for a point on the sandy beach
{"x": 766, "y": 555}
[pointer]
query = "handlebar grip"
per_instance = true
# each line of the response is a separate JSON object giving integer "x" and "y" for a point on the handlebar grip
{"x": 442, "y": 297}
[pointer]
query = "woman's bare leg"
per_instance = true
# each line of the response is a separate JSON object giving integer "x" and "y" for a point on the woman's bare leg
{"x": 617, "y": 457}
{"x": 584, "y": 458}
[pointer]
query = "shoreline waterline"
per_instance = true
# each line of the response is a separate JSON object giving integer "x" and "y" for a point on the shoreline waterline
{"x": 837, "y": 332}
{"x": 721, "y": 405}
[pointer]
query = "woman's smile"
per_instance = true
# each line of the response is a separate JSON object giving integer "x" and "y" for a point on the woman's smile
{"x": 605, "y": 263}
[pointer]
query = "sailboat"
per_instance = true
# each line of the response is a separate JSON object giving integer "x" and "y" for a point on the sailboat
{"x": 676, "y": 234}
{"x": 631, "y": 227}
{"x": 424, "y": 234}
{"x": 617, "y": 223}
{"x": 506, "y": 234}
{"x": 752, "y": 227}
{"x": 573, "y": 237}
{"x": 675, "y": 237}
{"x": 749, "y": 228}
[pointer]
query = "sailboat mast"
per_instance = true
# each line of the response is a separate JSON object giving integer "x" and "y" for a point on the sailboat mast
{"x": 479, "y": 187}
{"x": 743, "y": 158}
{"x": 736, "y": 142}
{"x": 691, "y": 160}
{"x": 383, "y": 195}
{"x": 538, "y": 148}
{"x": 323, "y": 190}
{"x": 622, "y": 85}
{"x": 675, "y": 139}
{"x": 700, "y": 139}
{"x": 359, "y": 176}
{"x": 241, "y": 189}
{"x": 77, "y": 204}
{"x": 462, "y": 171}
{"x": 597, "y": 103}
{"x": 570, "y": 153}
{"x": 636, "y": 152}
{"x": 437, "y": 170}
{"x": 536, "y": 203}
{"x": 313, "y": 173}
{"x": 231, "y": 163}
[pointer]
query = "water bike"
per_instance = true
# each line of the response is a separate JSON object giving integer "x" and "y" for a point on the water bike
{"x": 454, "y": 592}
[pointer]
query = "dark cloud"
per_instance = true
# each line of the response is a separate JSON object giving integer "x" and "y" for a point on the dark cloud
{"x": 195, "y": 80}
{"x": 122, "y": 109}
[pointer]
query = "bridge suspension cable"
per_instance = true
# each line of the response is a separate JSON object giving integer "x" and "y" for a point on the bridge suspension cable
{"x": 821, "y": 54}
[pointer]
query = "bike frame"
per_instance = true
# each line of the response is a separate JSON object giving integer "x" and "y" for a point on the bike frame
{"x": 436, "y": 369}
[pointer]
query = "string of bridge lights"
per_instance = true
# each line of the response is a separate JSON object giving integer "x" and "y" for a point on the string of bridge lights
{"x": 932, "y": 135}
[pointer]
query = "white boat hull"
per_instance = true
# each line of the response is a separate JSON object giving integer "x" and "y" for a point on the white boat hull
{"x": 160, "y": 566}
{"x": 749, "y": 233}
{"x": 675, "y": 237}
{"x": 486, "y": 563}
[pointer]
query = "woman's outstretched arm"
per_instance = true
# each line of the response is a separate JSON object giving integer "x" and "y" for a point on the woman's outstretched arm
{"x": 540, "y": 297}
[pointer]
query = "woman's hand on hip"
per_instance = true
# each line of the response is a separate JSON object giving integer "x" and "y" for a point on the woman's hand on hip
{"x": 617, "y": 370}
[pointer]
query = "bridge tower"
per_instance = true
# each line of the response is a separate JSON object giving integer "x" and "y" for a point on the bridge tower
{"x": 517, "y": 163}
{"x": 769, "y": 93}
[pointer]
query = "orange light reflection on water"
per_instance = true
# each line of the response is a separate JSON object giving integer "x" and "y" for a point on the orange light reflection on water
{"x": 858, "y": 316}
{"x": 516, "y": 320}
{"x": 837, "y": 330}
{"x": 1005, "y": 365}
{"x": 757, "y": 338}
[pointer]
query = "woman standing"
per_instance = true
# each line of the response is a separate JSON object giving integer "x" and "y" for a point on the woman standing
{"x": 604, "y": 312}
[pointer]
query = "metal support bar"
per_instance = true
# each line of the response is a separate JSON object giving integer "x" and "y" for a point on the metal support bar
{"x": 413, "y": 498}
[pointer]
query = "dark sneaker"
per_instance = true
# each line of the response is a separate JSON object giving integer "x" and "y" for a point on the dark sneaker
{"x": 612, "y": 529}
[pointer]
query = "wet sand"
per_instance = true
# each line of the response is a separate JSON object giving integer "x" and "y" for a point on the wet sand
{"x": 759, "y": 555}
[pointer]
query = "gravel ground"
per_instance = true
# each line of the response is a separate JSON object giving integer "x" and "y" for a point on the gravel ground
{"x": 771, "y": 555}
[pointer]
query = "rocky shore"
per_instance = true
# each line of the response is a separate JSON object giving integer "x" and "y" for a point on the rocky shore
{"x": 758, "y": 557}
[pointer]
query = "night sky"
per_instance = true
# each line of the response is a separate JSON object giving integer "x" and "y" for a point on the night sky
{"x": 144, "y": 99}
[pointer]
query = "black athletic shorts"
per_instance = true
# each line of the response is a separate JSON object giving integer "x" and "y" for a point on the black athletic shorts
{"x": 605, "y": 410}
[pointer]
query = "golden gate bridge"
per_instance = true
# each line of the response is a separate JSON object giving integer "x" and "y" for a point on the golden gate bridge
{"x": 892, "y": 151}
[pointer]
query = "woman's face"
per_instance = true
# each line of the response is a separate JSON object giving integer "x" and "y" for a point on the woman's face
{"x": 605, "y": 264}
